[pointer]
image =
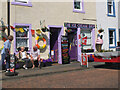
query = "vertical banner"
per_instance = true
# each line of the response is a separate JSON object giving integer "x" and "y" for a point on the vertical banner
{"x": 84, "y": 61}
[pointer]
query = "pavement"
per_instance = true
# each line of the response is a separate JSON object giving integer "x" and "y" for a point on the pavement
{"x": 55, "y": 68}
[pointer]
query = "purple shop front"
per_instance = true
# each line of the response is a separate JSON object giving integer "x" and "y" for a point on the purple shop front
{"x": 77, "y": 30}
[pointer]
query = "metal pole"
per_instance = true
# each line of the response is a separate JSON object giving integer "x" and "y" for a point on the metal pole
{"x": 8, "y": 15}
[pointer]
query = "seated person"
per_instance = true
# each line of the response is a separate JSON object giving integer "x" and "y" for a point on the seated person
{"x": 23, "y": 55}
{"x": 35, "y": 55}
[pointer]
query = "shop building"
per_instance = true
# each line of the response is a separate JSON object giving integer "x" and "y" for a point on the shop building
{"x": 107, "y": 14}
{"x": 77, "y": 15}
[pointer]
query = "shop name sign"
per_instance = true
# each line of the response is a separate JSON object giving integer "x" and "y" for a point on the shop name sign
{"x": 74, "y": 25}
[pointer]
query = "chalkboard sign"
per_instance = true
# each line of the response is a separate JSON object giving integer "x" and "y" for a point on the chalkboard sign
{"x": 65, "y": 50}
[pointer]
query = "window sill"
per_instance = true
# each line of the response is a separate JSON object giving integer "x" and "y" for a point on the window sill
{"x": 112, "y": 46}
{"x": 78, "y": 11}
{"x": 22, "y": 4}
{"x": 111, "y": 15}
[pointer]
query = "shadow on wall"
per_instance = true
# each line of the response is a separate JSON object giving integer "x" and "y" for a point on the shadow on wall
{"x": 43, "y": 50}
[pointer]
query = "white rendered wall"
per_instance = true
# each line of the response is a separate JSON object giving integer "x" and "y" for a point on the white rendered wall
{"x": 105, "y": 22}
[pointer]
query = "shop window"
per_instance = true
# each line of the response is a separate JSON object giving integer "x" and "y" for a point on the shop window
{"x": 78, "y": 6}
{"x": 111, "y": 7}
{"x": 112, "y": 38}
{"x": 88, "y": 47}
{"x": 22, "y": 36}
{"x": 22, "y": 2}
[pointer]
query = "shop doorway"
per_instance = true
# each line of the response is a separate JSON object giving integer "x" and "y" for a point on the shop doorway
{"x": 73, "y": 44}
{"x": 54, "y": 34}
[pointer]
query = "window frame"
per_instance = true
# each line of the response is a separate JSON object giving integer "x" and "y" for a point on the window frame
{"x": 21, "y": 3}
{"x": 113, "y": 9}
{"x": 114, "y": 30}
{"x": 29, "y": 37}
{"x": 77, "y": 10}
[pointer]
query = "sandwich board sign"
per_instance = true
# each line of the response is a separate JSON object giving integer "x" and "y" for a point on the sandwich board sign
{"x": 84, "y": 61}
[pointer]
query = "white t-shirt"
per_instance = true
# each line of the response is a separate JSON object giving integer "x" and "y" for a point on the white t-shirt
{"x": 35, "y": 53}
{"x": 23, "y": 55}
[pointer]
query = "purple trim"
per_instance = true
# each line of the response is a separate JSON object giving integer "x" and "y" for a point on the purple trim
{"x": 59, "y": 41}
{"x": 30, "y": 36}
{"x": 93, "y": 38}
{"x": 78, "y": 11}
{"x": 21, "y": 4}
{"x": 78, "y": 48}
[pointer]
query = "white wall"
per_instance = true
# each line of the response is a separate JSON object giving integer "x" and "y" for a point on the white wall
{"x": 105, "y": 22}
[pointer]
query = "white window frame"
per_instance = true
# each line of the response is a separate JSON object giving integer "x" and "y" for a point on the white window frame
{"x": 27, "y": 38}
{"x": 79, "y": 4}
{"x": 113, "y": 45}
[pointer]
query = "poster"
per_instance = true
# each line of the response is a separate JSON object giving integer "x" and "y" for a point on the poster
{"x": 84, "y": 61}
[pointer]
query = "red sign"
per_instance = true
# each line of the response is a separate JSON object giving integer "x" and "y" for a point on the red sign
{"x": 84, "y": 61}
{"x": 84, "y": 40}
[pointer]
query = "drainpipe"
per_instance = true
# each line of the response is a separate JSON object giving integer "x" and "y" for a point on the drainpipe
{"x": 8, "y": 16}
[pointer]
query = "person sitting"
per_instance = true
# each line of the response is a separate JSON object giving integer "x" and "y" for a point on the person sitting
{"x": 23, "y": 56}
{"x": 35, "y": 55}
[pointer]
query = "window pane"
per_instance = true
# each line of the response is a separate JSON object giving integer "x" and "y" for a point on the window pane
{"x": 111, "y": 34}
{"x": 77, "y": 4}
{"x": 109, "y": 9}
{"x": 21, "y": 42}
{"x": 111, "y": 40}
{"x": 22, "y": 34}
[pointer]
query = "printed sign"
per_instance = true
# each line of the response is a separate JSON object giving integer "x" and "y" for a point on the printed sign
{"x": 84, "y": 61}
{"x": 74, "y": 25}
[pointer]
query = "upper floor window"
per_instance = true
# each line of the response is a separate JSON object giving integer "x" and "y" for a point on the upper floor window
{"x": 22, "y": 2}
{"x": 78, "y": 6}
{"x": 111, "y": 8}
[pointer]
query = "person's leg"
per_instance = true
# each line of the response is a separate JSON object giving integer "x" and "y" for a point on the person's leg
{"x": 32, "y": 60}
{"x": 8, "y": 62}
{"x": 39, "y": 63}
{"x": 2, "y": 60}
{"x": 97, "y": 47}
{"x": 26, "y": 62}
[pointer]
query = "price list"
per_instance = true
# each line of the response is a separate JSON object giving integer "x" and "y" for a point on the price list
{"x": 65, "y": 50}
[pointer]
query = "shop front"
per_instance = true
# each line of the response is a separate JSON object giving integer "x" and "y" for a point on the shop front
{"x": 54, "y": 36}
{"x": 74, "y": 32}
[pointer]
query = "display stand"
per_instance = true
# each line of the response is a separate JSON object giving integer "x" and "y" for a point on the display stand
{"x": 12, "y": 72}
{"x": 65, "y": 50}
